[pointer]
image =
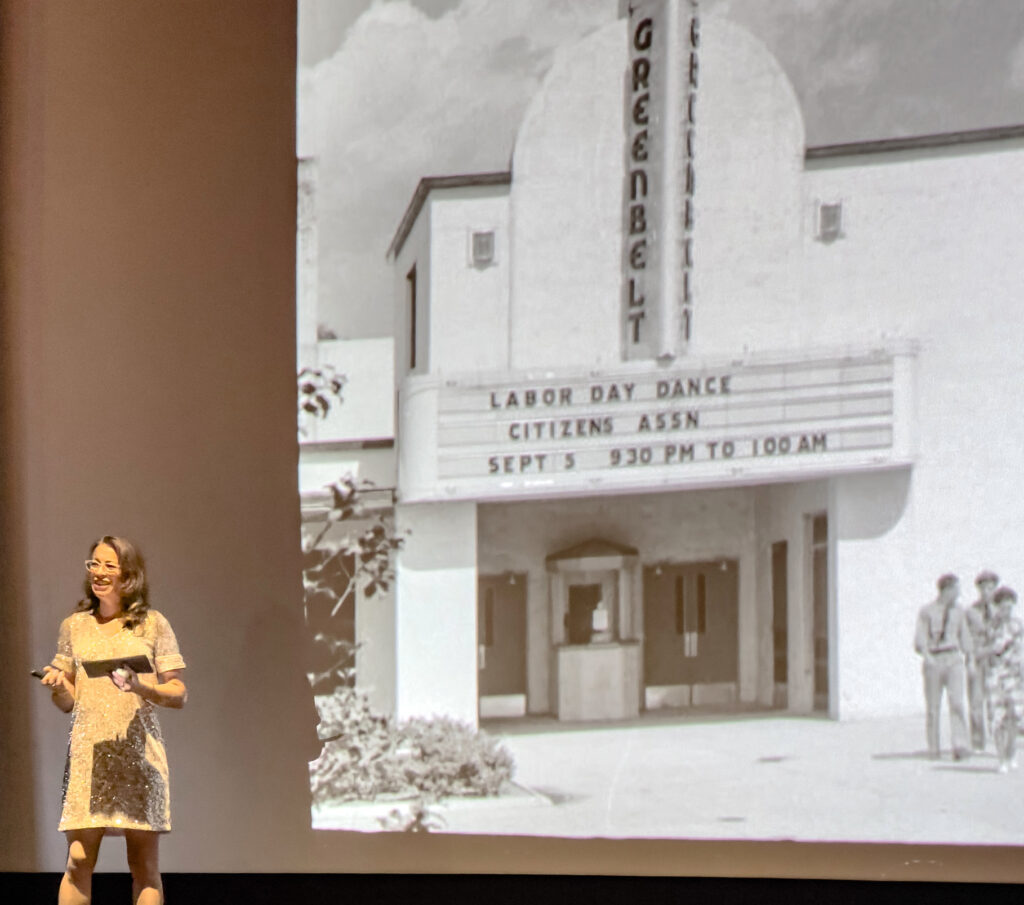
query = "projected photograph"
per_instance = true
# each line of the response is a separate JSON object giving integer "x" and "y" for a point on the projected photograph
{"x": 658, "y": 365}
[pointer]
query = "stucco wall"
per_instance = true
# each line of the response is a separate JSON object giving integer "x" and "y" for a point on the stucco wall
{"x": 747, "y": 226}
{"x": 435, "y": 611}
{"x": 470, "y": 303}
{"x": 931, "y": 252}
{"x": 885, "y": 560}
{"x": 566, "y": 210}
{"x": 367, "y": 408}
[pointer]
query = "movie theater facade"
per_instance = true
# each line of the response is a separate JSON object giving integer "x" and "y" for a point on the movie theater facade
{"x": 690, "y": 415}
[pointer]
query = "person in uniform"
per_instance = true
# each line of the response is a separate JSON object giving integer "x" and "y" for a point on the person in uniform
{"x": 943, "y": 639}
{"x": 1003, "y": 655}
{"x": 979, "y": 614}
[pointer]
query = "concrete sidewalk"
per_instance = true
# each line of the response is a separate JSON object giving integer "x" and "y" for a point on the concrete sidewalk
{"x": 741, "y": 777}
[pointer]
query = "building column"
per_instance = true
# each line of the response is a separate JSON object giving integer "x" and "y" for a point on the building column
{"x": 538, "y": 642}
{"x": 749, "y": 622}
{"x": 556, "y": 635}
{"x": 765, "y": 608}
{"x": 800, "y": 678}
{"x": 435, "y": 612}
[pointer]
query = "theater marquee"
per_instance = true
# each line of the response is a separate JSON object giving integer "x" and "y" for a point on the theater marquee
{"x": 700, "y": 425}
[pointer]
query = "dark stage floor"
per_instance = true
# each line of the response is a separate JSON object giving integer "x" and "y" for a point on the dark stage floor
{"x": 284, "y": 889}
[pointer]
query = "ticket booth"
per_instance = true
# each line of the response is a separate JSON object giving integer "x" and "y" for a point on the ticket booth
{"x": 596, "y": 624}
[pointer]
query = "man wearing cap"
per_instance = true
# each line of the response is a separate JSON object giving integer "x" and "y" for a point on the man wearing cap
{"x": 979, "y": 615}
{"x": 942, "y": 639}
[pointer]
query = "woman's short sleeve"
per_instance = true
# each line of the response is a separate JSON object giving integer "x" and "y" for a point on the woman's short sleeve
{"x": 65, "y": 657}
{"x": 165, "y": 647}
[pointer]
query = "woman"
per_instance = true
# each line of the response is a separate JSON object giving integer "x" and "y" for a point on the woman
{"x": 1003, "y": 655}
{"x": 116, "y": 776}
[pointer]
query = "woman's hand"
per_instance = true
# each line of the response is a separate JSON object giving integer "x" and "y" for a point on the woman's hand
{"x": 62, "y": 689}
{"x": 123, "y": 678}
{"x": 57, "y": 679}
{"x": 167, "y": 691}
{"x": 127, "y": 679}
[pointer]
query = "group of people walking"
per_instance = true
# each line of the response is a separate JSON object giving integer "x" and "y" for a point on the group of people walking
{"x": 983, "y": 643}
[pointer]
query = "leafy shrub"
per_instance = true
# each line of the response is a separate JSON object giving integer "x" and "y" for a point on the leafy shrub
{"x": 366, "y": 756}
{"x": 358, "y": 749}
{"x": 445, "y": 757}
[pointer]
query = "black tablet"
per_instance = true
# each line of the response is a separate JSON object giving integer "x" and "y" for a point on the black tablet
{"x": 95, "y": 669}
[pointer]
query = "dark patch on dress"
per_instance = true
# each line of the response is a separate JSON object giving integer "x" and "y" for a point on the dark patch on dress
{"x": 124, "y": 783}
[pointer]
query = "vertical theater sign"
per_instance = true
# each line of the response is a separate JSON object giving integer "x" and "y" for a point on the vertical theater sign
{"x": 661, "y": 110}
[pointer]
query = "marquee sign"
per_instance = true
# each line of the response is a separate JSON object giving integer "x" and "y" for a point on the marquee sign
{"x": 679, "y": 427}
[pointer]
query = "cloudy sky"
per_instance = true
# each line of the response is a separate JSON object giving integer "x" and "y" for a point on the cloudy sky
{"x": 393, "y": 90}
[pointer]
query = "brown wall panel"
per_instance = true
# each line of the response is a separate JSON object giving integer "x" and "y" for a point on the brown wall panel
{"x": 148, "y": 348}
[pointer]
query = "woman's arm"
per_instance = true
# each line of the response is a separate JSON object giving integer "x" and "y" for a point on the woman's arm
{"x": 62, "y": 689}
{"x": 168, "y": 690}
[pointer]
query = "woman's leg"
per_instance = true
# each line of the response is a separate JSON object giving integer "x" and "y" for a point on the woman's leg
{"x": 1000, "y": 728}
{"x": 1011, "y": 741}
{"x": 144, "y": 863}
{"x": 76, "y": 884}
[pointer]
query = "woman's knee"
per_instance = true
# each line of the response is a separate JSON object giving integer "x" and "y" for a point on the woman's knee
{"x": 143, "y": 857}
{"x": 81, "y": 857}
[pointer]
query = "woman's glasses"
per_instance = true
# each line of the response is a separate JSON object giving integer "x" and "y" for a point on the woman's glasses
{"x": 104, "y": 568}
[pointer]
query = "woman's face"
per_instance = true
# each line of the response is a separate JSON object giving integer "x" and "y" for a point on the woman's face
{"x": 105, "y": 574}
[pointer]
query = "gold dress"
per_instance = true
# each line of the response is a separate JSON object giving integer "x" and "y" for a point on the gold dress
{"x": 116, "y": 774}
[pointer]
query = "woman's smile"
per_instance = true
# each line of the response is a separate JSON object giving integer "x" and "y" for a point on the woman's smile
{"x": 101, "y": 584}
{"x": 105, "y": 573}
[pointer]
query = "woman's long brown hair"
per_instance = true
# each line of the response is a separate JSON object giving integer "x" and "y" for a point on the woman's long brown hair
{"x": 134, "y": 589}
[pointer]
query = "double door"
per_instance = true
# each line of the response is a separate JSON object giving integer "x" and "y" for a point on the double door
{"x": 691, "y": 623}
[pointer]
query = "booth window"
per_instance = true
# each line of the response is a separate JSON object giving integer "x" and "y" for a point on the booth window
{"x": 579, "y": 620}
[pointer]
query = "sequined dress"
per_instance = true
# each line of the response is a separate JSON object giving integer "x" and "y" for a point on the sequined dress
{"x": 116, "y": 774}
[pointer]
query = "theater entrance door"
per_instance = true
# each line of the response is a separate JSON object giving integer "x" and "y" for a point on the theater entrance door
{"x": 501, "y": 644}
{"x": 691, "y": 634}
